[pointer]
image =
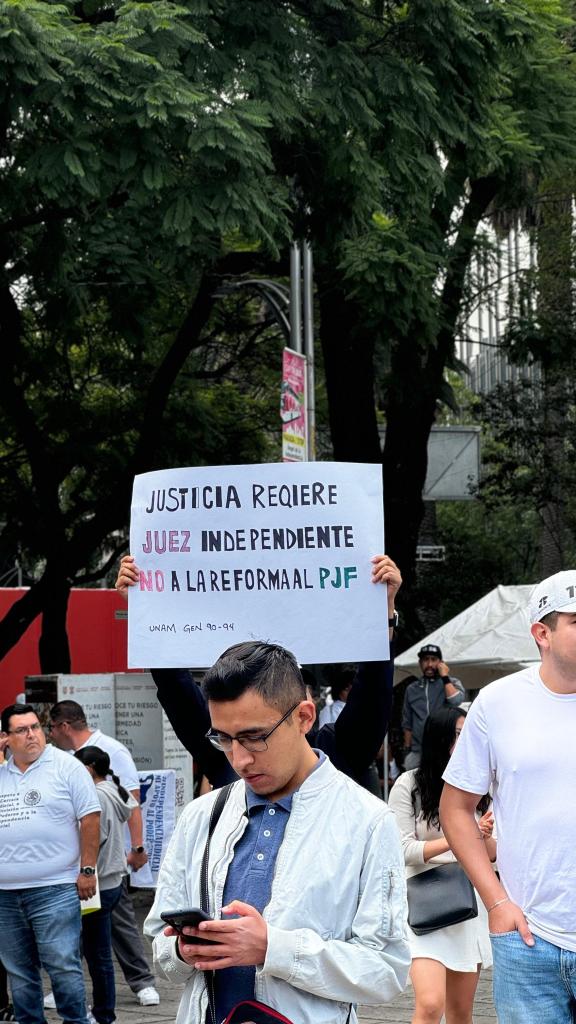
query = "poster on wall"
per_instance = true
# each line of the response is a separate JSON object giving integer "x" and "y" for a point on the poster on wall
{"x": 158, "y": 803}
{"x": 279, "y": 552}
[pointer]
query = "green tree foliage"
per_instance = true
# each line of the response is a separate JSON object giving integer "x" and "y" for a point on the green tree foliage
{"x": 486, "y": 544}
{"x": 529, "y": 462}
{"x": 482, "y": 99}
{"x": 542, "y": 331}
{"x": 134, "y": 146}
{"x": 148, "y": 149}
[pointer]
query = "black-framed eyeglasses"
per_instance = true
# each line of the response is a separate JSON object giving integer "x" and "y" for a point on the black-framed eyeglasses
{"x": 252, "y": 743}
{"x": 23, "y": 730}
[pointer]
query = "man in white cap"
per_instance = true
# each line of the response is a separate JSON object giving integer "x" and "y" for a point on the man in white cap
{"x": 520, "y": 740}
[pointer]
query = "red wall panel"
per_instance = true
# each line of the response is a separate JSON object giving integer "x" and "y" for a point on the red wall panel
{"x": 97, "y": 630}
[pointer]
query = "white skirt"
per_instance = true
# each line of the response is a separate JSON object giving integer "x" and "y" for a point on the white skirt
{"x": 461, "y": 947}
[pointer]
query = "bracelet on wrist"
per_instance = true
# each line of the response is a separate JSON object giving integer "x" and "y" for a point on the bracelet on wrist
{"x": 505, "y": 899}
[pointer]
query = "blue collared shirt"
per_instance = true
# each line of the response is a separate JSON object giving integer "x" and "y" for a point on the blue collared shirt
{"x": 249, "y": 879}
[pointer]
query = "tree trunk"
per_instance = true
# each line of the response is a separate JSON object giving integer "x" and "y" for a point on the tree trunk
{"x": 349, "y": 368}
{"x": 410, "y": 415}
{"x": 50, "y": 594}
{"x": 415, "y": 387}
{"x": 53, "y": 646}
{"x": 555, "y": 311}
{"x": 554, "y": 533}
{"x": 21, "y": 615}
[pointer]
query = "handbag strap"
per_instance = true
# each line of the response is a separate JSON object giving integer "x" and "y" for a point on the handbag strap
{"x": 215, "y": 814}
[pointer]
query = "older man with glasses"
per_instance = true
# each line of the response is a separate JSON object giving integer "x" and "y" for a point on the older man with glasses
{"x": 305, "y": 877}
{"x": 49, "y": 835}
{"x": 69, "y": 730}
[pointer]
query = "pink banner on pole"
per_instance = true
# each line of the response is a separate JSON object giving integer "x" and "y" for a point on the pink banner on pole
{"x": 293, "y": 407}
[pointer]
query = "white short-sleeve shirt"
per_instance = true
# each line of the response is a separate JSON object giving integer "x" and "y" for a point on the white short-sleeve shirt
{"x": 121, "y": 760}
{"x": 39, "y": 814}
{"x": 520, "y": 739}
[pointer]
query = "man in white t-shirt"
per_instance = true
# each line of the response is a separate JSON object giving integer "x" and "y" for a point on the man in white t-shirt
{"x": 69, "y": 730}
{"x": 49, "y": 836}
{"x": 520, "y": 740}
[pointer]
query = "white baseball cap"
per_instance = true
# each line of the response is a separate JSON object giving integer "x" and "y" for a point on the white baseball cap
{"x": 555, "y": 594}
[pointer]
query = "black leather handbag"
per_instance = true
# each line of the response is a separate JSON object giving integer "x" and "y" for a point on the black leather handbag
{"x": 440, "y": 897}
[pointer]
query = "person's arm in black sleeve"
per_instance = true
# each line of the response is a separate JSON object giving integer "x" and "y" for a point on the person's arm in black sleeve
{"x": 185, "y": 704}
{"x": 362, "y": 724}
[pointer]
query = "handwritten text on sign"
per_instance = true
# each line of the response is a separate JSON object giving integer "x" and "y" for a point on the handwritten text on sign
{"x": 276, "y": 552}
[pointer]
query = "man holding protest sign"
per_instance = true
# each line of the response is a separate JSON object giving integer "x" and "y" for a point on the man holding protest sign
{"x": 305, "y": 876}
{"x": 351, "y": 742}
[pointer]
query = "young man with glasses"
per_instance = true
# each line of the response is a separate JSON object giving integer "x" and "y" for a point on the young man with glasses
{"x": 49, "y": 836}
{"x": 306, "y": 875}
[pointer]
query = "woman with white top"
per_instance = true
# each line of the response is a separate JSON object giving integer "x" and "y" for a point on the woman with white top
{"x": 445, "y": 962}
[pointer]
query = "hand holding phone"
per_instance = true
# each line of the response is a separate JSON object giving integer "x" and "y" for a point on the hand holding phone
{"x": 178, "y": 919}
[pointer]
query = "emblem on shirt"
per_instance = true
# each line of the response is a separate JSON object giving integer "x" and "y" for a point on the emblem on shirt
{"x": 32, "y": 797}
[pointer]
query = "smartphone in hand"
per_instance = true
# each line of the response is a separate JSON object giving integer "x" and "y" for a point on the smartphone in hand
{"x": 178, "y": 919}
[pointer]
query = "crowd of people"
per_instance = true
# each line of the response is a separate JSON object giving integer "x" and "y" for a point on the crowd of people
{"x": 305, "y": 893}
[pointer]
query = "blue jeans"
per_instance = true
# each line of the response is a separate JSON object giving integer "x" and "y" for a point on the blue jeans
{"x": 97, "y": 945}
{"x": 41, "y": 927}
{"x": 533, "y": 984}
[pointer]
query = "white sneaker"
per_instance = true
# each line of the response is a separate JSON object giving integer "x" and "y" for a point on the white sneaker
{"x": 91, "y": 1017}
{"x": 148, "y": 996}
{"x": 49, "y": 1001}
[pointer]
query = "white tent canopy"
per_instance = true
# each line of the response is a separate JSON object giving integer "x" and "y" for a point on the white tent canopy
{"x": 489, "y": 639}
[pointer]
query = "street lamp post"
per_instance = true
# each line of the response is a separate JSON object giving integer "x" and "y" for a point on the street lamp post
{"x": 293, "y": 310}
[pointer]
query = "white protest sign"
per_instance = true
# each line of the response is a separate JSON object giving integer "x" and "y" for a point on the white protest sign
{"x": 279, "y": 552}
{"x": 158, "y": 803}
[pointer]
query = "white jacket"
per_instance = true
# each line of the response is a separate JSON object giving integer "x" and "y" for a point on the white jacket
{"x": 337, "y": 911}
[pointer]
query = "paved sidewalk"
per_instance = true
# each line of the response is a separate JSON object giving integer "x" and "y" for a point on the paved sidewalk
{"x": 128, "y": 1011}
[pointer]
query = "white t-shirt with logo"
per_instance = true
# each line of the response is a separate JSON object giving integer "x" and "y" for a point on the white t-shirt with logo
{"x": 121, "y": 760}
{"x": 520, "y": 739}
{"x": 39, "y": 814}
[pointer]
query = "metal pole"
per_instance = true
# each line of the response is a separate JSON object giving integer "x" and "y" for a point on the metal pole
{"x": 295, "y": 298}
{"x": 309, "y": 352}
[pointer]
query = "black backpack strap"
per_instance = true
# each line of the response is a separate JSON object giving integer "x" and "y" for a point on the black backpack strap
{"x": 217, "y": 808}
